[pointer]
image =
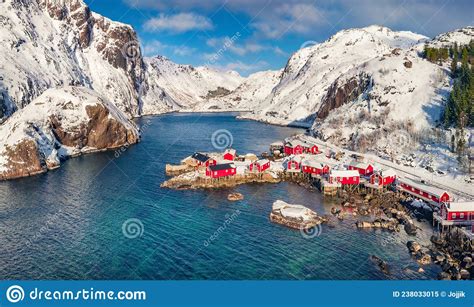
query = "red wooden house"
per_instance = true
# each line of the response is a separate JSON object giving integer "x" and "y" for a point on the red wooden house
{"x": 259, "y": 166}
{"x": 384, "y": 177}
{"x": 221, "y": 170}
{"x": 423, "y": 191}
{"x": 229, "y": 154}
{"x": 293, "y": 148}
{"x": 203, "y": 160}
{"x": 346, "y": 177}
{"x": 294, "y": 163}
{"x": 296, "y": 147}
{"x": 314, "y": 167}
{"x": 364, "y": 169}
{"x": 459, "y": 211}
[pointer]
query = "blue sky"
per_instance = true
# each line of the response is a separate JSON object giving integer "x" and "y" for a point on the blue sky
{"x": 254, "y": 35}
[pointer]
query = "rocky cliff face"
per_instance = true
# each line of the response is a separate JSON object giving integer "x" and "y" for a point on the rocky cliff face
{"x": 58, "y": 124}
{"x": 46, "y": 44}
{"x": 343, "y": 91}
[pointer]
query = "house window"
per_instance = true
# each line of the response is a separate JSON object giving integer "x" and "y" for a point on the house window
{"x": 453, "y": 215}
{"x": 461, "y": 215}
{"x": 215, "y": 173}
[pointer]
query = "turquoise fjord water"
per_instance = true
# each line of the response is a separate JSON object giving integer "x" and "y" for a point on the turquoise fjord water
{"x": 68, "y": 223}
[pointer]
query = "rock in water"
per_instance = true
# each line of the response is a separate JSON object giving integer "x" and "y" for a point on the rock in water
{"x": 235, "y": 197}
{"x": 410, "y": 229}
{"x": 58, "y": 124}
{"x": 413, "y": 246}
{"x": 381, "y": 264}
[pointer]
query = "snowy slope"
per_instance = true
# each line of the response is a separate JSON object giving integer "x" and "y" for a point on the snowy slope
{"x": 460, "y": 36}
{"x": 402, "y": 93}
{"x": 188, "y": 86}
{"x": 252, "y": 91}
{"x": 46, "y": 44}
{"x": 60, "y": 123}
{"x": 310, "y": 71}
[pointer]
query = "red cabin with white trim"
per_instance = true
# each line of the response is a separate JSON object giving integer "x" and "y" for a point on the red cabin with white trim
{"x": 294, "y": 163}
{"x": 457, "y": 211}
{"x": 259, "y": 166}
{"x": 221, "y": 170}
{"x": 297, "y": 147}
{"x": 364, "y": 169}
{"x": 230, "y": 154}
{"x": 203, "y": 160}
{"x": 314, "y": 167}
{"x": 423, "y": 191}
{"x": 384, "y": 177}
{"x": 346, "y": 177}
{"x": 293, "y": 148}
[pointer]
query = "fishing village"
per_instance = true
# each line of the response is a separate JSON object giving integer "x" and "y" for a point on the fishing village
{"x": 376, "y": 196}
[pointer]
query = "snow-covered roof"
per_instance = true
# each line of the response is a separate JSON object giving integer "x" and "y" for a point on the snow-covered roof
{"x": 461, "y": 206}
{"x": 344, "y": 173}
{"x": 360, "y": 165}
{"x": 276, "y": 144}
{"x": 312, "y": 163}
{"x": 422, "y": 187}
{"x": 297, "y": 158}
{"x": 388, "y": 172}
{"x": 262, "y": 161}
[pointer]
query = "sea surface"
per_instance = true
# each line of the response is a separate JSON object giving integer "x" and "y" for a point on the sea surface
{"x": 104, "y": 216}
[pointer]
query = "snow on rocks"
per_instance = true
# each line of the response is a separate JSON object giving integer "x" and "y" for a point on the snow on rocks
{"x": 310, "y": 71}
{"x": 60, "y": 123}
{"x": 190, "y": 86}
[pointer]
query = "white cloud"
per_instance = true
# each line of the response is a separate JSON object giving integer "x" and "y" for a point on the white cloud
{"x": 178, "y": 23}
{"x": 155, "y": 47}
{"x": 243, "y": 67}
{"x": 184, "y": 51}
{"x": 277, "y": 18}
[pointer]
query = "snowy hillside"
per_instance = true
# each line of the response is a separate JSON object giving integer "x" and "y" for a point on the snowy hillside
{"x": 253, "y": 90}
{"x": 460, "y": 36}
{"x": 45, "y": 44}
{"x": 61, "y": 123}
{"x": 310, "y": 71}
{"x": 396, "y": 92}
{"x": 188, "y": 86}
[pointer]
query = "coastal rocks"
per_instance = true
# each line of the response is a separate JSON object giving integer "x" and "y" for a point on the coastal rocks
{"x": 410, "y": 228}
{"x": 61, "y": 123}
{"x": 197, "y": 180}
{"x": 383, "y": 266}
{"x": 423, "y": 258}
{"x": 235, "y": 197}
{"x": 413, "y": 247}
{"x": 175, "y": 170}
{"x": 390, "y": 225}
{"x": 294, "y": 216}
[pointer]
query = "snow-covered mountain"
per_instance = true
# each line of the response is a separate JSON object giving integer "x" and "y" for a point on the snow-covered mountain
{"x": 310, "y": 72}
{"x": 190, "y": 86}
{"x": 461, "y": 36}
{"x": 60, "y": 123}
{"x": 46, "y": 44}
{"x": 254, "y": 89}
